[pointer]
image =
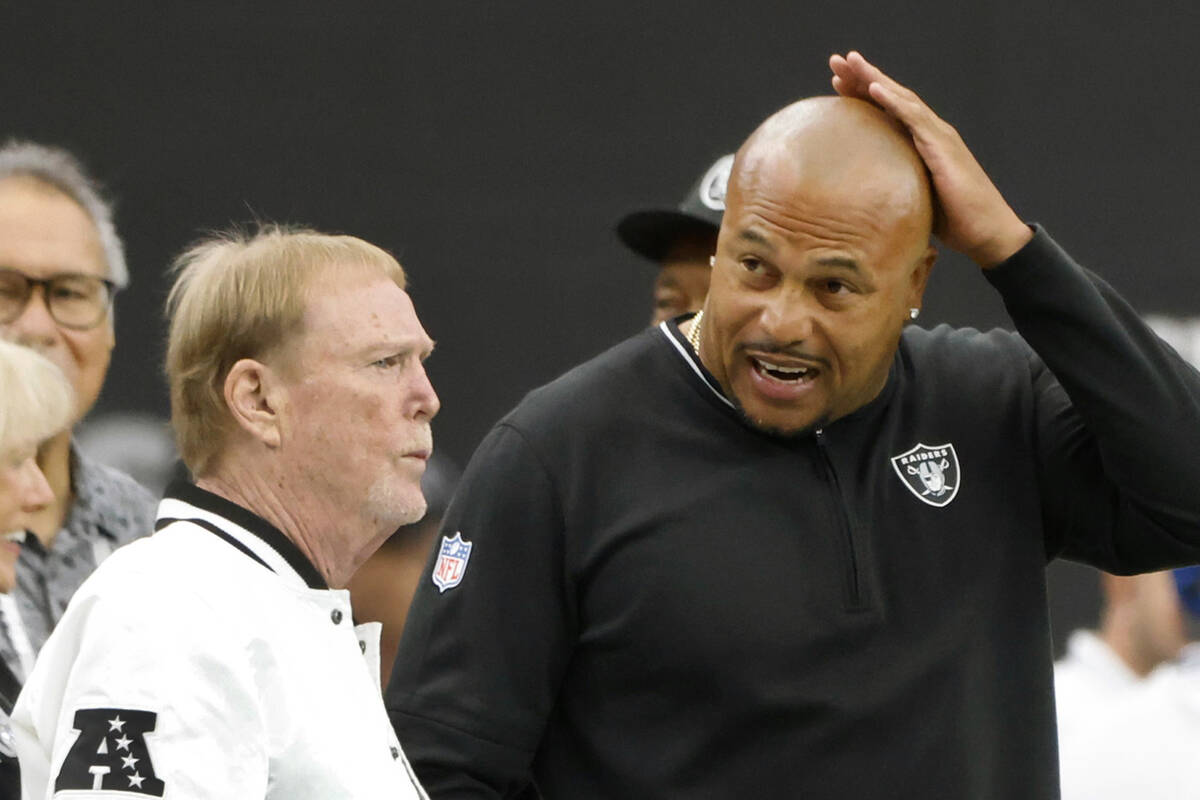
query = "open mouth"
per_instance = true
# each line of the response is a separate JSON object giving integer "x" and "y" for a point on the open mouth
{"x": 785, "y": 373}
{"x": 13, "y": 541}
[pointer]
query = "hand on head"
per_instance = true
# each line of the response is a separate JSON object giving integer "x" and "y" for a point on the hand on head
{"x": 973, "y": 217}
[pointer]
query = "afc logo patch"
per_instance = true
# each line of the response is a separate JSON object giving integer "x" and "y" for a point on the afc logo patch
{"x": 110, "y": 754}
{"x": 930, "y": 472}
{"x": 451, "y": 562}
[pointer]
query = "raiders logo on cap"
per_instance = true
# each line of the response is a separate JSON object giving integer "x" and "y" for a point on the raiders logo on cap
{"x": 715, "y": 182}
{"x": 652, "y": 232}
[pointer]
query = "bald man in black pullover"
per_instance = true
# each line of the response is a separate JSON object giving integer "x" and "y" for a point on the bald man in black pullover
{"x": 794, "y": 546}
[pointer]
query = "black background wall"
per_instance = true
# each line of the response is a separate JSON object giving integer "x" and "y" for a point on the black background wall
{"x": 491, "y": 146}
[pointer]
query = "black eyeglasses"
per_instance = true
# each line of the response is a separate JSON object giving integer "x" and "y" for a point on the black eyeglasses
{"x": 74, "y": 300}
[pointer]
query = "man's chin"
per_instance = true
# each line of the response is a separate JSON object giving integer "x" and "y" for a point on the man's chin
{"x": 397, "y": 502}
{"x": 779, "y": 432}
{"x": 780, "y": 428}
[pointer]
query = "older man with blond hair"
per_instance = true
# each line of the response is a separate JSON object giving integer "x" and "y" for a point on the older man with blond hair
{"x": 218, "y": 658}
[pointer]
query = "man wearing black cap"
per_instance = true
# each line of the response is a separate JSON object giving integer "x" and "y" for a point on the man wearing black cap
{"x": 681, "y": 241}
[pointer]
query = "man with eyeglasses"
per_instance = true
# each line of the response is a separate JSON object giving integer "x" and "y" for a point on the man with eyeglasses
{"x": 60, "y": 263}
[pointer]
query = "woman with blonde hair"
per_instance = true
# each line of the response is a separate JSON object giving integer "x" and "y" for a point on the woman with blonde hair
{"x": 36, "y": 403}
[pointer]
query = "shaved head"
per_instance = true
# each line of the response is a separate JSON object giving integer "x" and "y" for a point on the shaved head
{"x": 841, "y": 146}
{"x": 823, "y": 253}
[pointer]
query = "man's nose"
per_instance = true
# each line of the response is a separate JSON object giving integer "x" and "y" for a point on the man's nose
{"x": 36, "y": 492}
{"x": 423, "y": 398}
{"x": 787, "y": 315}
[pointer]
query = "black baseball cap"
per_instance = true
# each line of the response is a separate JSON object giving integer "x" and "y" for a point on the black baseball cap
{"x": 651, "y": 232}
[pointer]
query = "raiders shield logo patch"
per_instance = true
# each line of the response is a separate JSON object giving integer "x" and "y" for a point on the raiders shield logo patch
{"x": 110, "y": 754}
{"x": 930, "y": 472}
{"x": 451, "y": 562}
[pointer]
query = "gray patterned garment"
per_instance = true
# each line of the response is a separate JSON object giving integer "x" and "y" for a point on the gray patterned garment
{"x": 110, "y": 509}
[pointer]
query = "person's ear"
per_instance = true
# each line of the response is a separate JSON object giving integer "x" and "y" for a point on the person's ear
{"x": 920, "y": 276}
{"x": 255, "y": 395}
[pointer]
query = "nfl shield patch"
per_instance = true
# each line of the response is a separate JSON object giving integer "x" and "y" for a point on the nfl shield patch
{"x": 451, "y": 563}
{"x": 930, "y": 472}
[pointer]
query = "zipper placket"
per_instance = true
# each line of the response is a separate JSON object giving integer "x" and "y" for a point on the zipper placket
{"x": 854, "y": 585}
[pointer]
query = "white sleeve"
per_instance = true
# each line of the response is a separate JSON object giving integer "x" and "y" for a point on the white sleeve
{"x": 143, "y": 689}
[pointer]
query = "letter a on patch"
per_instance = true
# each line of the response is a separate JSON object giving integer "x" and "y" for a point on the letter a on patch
{"x": 451, "y": 563}
{"x": 110, "y": 754}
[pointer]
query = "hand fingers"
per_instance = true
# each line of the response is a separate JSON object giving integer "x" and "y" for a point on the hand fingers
{"x": 845, "y": 80}
{"x": 838, "y": 64}
{"x": 857, "y": 74}
{"x": 854, "y": 76}
{"x": 923, "y": 124}
{"x": 870, "y": 76}
{"x": 934, "y": 139}
{"x": 891, "y": 102}
{"x": 866, "y": 72}
{"x": 899, "y": 101}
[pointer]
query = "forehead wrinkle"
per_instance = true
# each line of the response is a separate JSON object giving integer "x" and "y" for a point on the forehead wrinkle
{"x": 826, "y": 229}
{"x": 800, "y": 197}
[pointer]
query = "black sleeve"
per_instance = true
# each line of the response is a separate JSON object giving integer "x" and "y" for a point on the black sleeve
{"x": 1117, "y": 415}
{"x": 480, "y": 663}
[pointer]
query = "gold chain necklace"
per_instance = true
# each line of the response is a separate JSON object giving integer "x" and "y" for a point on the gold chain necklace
{"x": 694, "y": 334}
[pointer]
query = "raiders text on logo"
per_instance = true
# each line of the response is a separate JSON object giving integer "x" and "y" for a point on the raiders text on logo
{"x": 110, "y": 754}
{"x": 452, "y": 561}
{"x": 930, "y": 472}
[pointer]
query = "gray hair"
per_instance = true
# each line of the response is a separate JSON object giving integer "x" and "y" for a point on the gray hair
{"x": 63, "y": 171}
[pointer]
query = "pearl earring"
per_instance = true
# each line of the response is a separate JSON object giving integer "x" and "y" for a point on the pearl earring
{"x": 913, "y": 312}
{"x": 712, "y": 261}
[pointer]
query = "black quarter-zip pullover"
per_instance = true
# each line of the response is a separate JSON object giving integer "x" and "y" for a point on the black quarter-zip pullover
{"x": 662, "y": 602}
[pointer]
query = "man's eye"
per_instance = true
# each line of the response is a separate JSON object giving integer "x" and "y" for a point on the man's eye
{"x": 752, "y": 265}
{"x": 384, "y": 363}
{"x": 836, "y": 287}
